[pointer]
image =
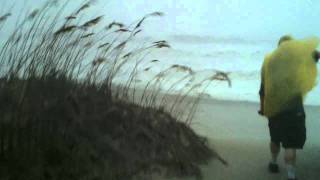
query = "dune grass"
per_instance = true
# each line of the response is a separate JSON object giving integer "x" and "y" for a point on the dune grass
{"x": 62, "y": 115}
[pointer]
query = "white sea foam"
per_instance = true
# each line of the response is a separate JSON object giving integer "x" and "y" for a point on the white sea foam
{"x": 242, "y": 59}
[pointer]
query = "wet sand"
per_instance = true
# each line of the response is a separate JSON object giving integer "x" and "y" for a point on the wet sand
{"x": 241, "y": 136}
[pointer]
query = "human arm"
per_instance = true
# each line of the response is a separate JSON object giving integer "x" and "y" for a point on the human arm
{"x": 261, "y": 94}
{"x": 262, "y": 90}
{"x": 316, "y": 55}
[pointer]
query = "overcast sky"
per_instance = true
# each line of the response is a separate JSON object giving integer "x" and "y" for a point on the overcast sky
{"x": 256, "y": 19}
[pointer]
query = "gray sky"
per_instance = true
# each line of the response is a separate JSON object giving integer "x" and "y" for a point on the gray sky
{"x": 253, "y": 19}
{"x": 249, "y": 18}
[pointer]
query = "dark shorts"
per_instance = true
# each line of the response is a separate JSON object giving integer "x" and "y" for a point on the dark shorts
{"x": 288, "y": 129}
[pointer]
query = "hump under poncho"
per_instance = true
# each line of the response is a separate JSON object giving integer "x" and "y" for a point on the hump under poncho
{"x": 288, "y": 72}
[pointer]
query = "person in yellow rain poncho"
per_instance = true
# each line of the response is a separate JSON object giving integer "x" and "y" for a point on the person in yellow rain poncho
{"x": 287, "y": 75}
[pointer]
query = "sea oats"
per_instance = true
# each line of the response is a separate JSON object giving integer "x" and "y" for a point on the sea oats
{"x": 98, "y": 61}
{"x": 121, "y": 45}
{"x": 162, "y": 45}
{"x": 147, "y": 69}
{"x": 140, "y": 23}
{"x": 33, "y": 14}
{"x": 122, "y": 30}
{"x": 70, "y": 17}
{"x": 156, "y": 14}
{"x": 127, "y": 55}
{"x": 83, "y": 7}
{"x": 92, "y": 22}
{"x": 5, "y": 17}
{"x": 182, "y": 68}
{"x": 162, "y": 41}
{"x": 88, "y": 44}
{"x": 87, "y": 35}
{"x": 137, "y": 32}
{"x": 103, "y": 45}
{"x": 120, "y": 25}
{"x": 65, "y": 29}
{"x": 221, "y": 76}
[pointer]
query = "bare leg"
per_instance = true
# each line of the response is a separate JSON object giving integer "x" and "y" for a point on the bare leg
{"x": 275, "y": 150}
{"x": 290, "y": 160}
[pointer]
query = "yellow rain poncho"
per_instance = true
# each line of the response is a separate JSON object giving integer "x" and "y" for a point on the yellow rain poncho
{"x": 288, "y": 72}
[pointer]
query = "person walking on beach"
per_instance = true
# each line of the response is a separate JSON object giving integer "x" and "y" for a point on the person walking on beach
{"x": 282, "y": 91}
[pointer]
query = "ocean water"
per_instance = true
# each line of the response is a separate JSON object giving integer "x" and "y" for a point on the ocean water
{"x": 241, "y": 59}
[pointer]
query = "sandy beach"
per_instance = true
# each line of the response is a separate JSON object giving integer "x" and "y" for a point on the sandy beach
{"x": 241, "y": 136}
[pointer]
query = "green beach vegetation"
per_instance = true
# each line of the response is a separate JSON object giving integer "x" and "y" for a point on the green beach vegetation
{"x": 62, "y": 116}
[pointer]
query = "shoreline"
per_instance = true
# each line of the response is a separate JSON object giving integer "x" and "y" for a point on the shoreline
{"x": 207, "y": 97}
{"x": 226, "y": 101}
